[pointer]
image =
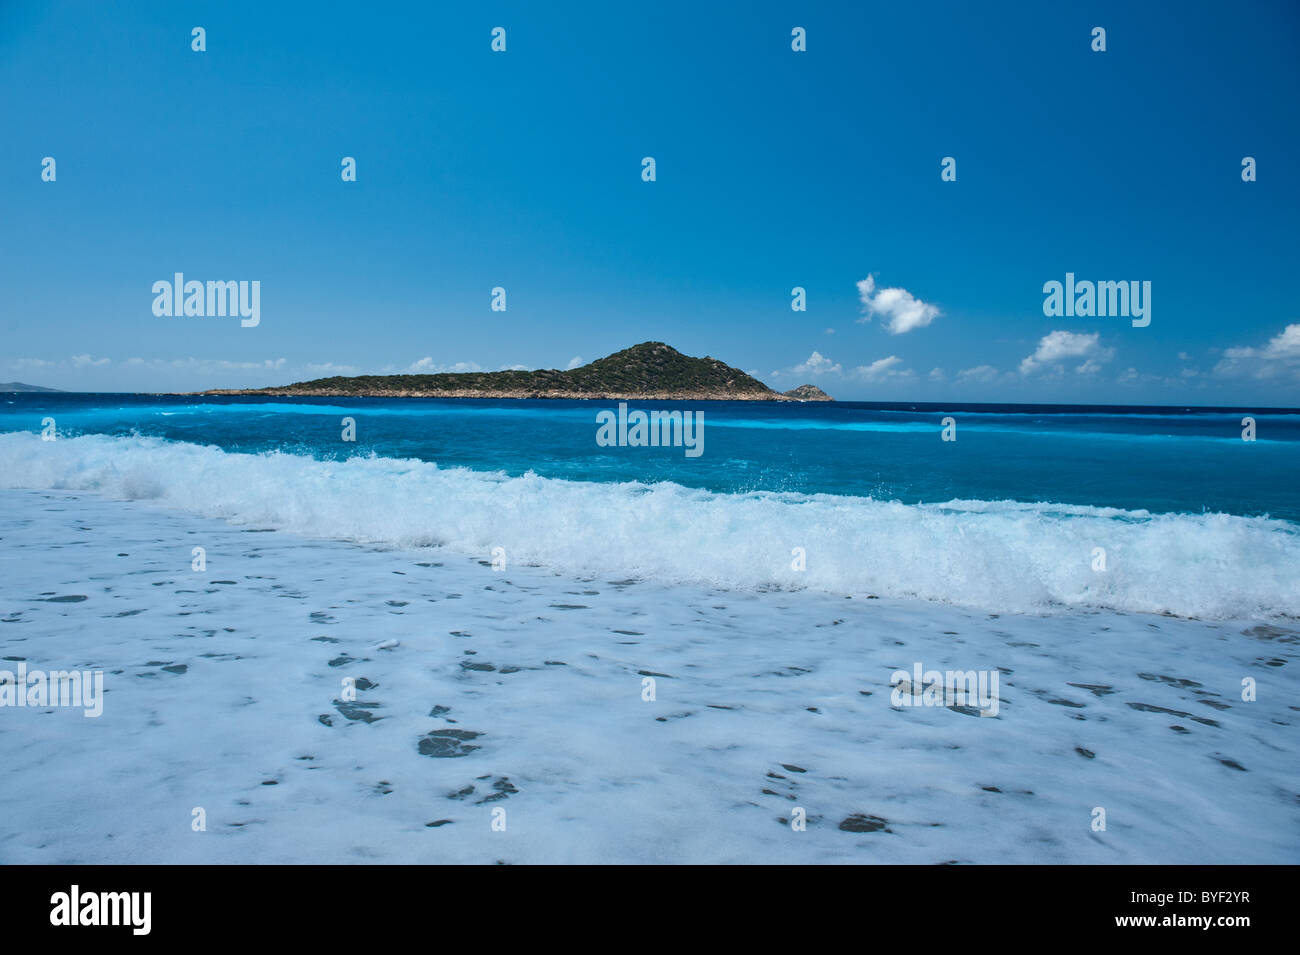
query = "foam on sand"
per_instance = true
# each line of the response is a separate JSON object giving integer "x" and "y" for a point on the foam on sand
{"x": 522, "y": 691}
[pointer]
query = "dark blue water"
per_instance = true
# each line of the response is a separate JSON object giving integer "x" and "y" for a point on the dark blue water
{"x": 1160, "y": 459}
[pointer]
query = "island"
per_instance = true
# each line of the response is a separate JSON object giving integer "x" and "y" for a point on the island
{"x": 13, "y": 387}
{"x": 651, "y": 371}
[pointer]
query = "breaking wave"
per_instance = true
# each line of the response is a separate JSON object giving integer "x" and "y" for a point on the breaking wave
{"x": 999, "y": 556}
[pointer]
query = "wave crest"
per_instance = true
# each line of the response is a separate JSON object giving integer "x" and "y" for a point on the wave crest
{"x": 1000, "y": 556}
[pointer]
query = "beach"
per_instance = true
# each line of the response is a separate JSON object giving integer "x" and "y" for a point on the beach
{"x": 524, "y": 689}
{"x": 548, "y": 436}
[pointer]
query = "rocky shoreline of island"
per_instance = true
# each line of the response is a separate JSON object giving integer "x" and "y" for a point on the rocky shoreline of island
{"x": 651, "y": 371}
{"x": 516, "y": 394}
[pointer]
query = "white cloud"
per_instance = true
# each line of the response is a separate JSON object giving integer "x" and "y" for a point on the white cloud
{"x": 819, "y": 366}
{"x": 514, "y": 368}
{"x": 209, "y": 365}
{"x": 1285, "y": 345}
{"x": 202, "y": 365}
{"x": 937, "y": 374}
{"x": 1279, "y": 358}
{"x": 1131, "y": 376}
{"x": 980, "y": 373}
{"x": 900, "y": 309}
{"x": 329, "y": 369}
{"x": 574, "y": 362}
{"x": 816, "y": 364}
{"x": 1057, "y": 347}
{"x": 882, "y": 368}
{"x": 427, "y": 366}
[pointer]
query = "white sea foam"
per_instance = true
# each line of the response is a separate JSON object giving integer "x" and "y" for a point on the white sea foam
{"x": 223, "y": 681}
{"x": 1000, "y": 556}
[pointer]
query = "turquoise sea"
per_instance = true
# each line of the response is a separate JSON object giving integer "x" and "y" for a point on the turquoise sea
{"x": 1031, "y": 507}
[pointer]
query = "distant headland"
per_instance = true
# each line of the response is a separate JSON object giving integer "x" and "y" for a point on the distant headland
{"x": 16, "y": 386}
{"x": 650, "y": 371}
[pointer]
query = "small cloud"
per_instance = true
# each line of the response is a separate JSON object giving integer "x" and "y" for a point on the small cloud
{"x": 427, "y": 366}
{"x": 816, "y": 364}
{"x": 574, "y": 362}
{"x": 899, "y": 308}
{"x": 200, "y": 365}
{"x": 882, "y": 369}
{"x": 830, "y": 331}
{"x": 329, "y": 369}
{"x": 1130, "y": 376}
{"x": 207, "y": 366}
{"x": 1059, "y": 346}
{"x": 937, "y": 374}
{"x": 515, "y": 368}
{"x": 982, "y": 374}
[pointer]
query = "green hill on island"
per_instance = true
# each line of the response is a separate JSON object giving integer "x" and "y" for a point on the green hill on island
{"x": 651, "y": 370}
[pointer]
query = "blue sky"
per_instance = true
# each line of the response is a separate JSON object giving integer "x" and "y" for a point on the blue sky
{"x": 775, "y": 169}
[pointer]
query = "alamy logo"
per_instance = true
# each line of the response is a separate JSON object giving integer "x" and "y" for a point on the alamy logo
{"x": 1098, "y": 299}
{"x": 655, "y": 429}
{"x": 973, "y": 689}
{"x": 55, "y": 688}
{"x": 214, "y": 300}
{"x": 103, "y": 908}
